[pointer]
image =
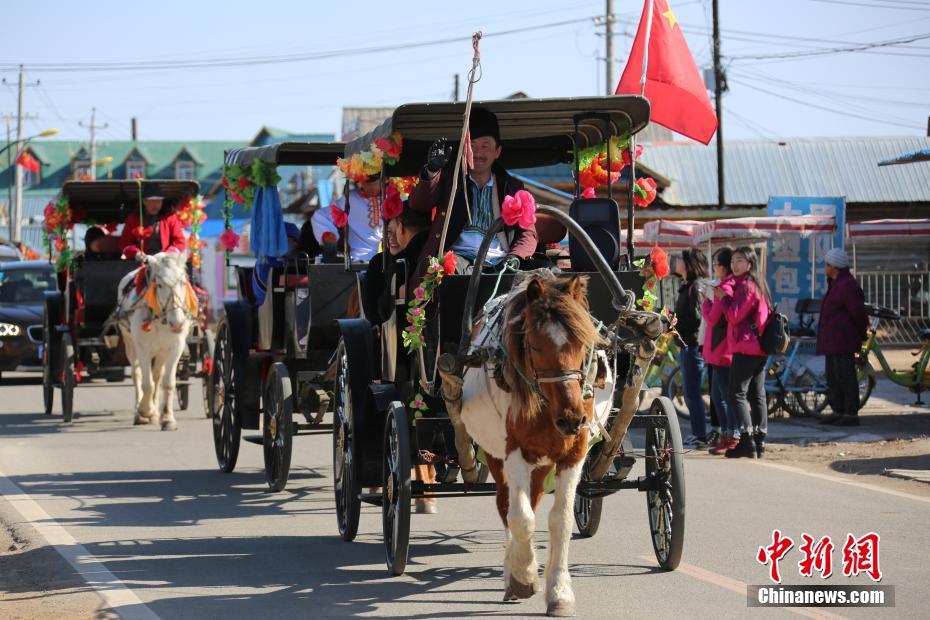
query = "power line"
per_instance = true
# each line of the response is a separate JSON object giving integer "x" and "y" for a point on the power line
{"x": 874, "y": 6}
{"x": 277, "y": 59}
{"x": 836, "y": 50}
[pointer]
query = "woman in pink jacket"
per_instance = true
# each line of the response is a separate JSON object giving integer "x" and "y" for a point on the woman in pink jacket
{"x": 717, "y": 353}
{"x": 747, "y": 311}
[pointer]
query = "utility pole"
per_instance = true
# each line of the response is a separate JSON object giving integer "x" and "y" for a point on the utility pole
{"x": 609, "y": 48}
{"x": 16, "y": 215}
{"x": 455, "y": 91}
{"x": 720, "y": 85}
{"x": 8, "y": 121}
{"x": 93, "y": 141}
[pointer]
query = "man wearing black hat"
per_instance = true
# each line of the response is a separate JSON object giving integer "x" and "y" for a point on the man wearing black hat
{"x": 159, "y": 231}
{"x": 487, "y": 186}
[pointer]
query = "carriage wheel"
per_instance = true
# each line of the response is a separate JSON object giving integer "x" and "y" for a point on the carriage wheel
{"x": 345, "y": 474}
{"x": 48, "y": 372}
{"x": 395, "y": 494}
{"x": 206, "y": 371}
{"x": 184, "y": 391}
{"x": 665, "y": 470}
{"x": 67, "y": 381}
{"x": 277, "y": 426}
{"x": 226, "y": 428}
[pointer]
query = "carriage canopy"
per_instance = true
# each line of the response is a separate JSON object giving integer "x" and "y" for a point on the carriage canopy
{"x": 108, "y": 201}
{"x": 534, "y": 132}
{"x": 288, "y": 154}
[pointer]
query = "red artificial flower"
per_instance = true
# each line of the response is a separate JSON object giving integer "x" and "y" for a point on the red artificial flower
{"x": 659, "y": 261}
{"x": 60, "y": 245}
{"x": 147, "y": 326}
{"x": 388, "y": 147}
{"x": 645, "y": 192}
{"x": 329, "y": 238}
{"x": 230, "y": 240}
{"x": 136, "y": 175}
{"x": 588, "y": 193}
{"x": 243, "y": 183}
{"x": 626, "y": 154}
{"x": 340, "y": 219}
{"x": 225, "y": 182}
{"x": 143, "y": 233}
{"x": 519, "y": 208}
{"x": 392, "y": 206}
{"x": 448, "y": 263}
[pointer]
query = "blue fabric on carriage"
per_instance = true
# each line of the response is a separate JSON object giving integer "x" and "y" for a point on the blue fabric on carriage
{"x": 267, "y": 236}
{"x": 264, "y": 265}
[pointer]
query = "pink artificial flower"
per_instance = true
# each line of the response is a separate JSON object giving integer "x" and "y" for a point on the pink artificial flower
{"x": 645, "y": 192}
{"x": 626, "y": 154}
{"x": 230, "y": 240}
{"x": 419, "y": 293}
{"x": 588, "y": 193}
{"x": 340, "y": 219}
{"x": 519, "y": 208}
{"x": 392, "y": 206}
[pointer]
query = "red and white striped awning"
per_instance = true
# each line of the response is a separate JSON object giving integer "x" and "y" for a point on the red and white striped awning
{"x": 887, "y": 230}
{"x": 764, "y": 227}
{"x": 679, "y": 233}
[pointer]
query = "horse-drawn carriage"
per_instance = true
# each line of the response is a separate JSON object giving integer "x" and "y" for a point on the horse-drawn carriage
{"x": 76, "y": 351}
{"x": 270, "y": 360}
{"x": 395, "y": 409}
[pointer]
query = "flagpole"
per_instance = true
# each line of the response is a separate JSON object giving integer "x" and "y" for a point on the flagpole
{"x": 630, "y": 216}
{"x": 642, "y": 79}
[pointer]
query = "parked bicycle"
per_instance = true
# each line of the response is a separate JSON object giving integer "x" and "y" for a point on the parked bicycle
{"x": 917, "y": 378}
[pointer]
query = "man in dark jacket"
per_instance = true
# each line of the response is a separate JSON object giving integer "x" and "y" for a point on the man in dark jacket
{"x": 487, "y": 185}
{"x": 843, "y": 324}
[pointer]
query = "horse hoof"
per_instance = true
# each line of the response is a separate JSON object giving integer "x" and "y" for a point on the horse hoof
{"x": 560, "y": 609}
{"x": 520, "y": 590}
{"x": 169, "y": 426}
{"x": 508, "y": 595}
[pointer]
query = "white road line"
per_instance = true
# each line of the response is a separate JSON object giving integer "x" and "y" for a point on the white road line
{"x": 852, "y": 483}
{"x": 117, "y": 596}
{"x": 735, "y": 585}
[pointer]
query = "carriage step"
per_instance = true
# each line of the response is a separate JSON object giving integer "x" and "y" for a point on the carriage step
{"x": 257, "y": 439}
{"x": 375, "y": 499}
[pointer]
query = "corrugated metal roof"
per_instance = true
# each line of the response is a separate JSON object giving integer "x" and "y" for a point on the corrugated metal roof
{"x": 757, "y": 169}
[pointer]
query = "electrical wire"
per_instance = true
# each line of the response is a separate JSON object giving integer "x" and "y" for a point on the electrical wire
{"x": 883, "y": 6}
{"x": 837, "y": 50}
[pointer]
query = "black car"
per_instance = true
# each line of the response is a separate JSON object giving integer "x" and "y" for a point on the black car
{"x": 22, "y": 298}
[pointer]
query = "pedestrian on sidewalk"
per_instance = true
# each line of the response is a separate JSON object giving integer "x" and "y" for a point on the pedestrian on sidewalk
{"x": 690, "y": 267}
{"x": 842, "y": 328}
{"x": 717, "y": 353}
{"x": 747, "y": 311}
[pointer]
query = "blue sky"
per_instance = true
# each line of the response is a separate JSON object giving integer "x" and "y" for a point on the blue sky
{"x": 883, "y": 92}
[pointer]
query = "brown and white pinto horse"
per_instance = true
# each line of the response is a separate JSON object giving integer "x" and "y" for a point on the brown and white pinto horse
{"x": 532, "y": 411}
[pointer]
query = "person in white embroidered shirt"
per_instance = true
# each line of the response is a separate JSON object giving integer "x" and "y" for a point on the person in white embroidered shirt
{"x": 364, "y": 224}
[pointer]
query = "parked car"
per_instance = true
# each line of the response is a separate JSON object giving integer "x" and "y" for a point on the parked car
{"x": 22, "y": 298}
{"x": 9, "y": 252}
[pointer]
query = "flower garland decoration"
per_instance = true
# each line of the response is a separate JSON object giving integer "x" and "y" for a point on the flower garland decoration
{"x": 362, "y": 165}
{"x": 58, "y": 221}
{"x": 191, "y": 214}
{"x": 404, "y": 185}
{"x": 416, "y": 308}
{"x": 390, "y": 147}
{"x": 593, "y": 173}
{"x": 656, "y": 270}
{"x": 241, "y": 183}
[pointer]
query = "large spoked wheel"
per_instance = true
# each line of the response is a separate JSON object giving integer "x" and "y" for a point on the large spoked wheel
{"x": 68, "y": 381}
{"x": 345, "y": 473}
{"x": 666, "y": 472}
{"x": 206, "y": 354}
{"x": 48, "y": 372}
{"x": 395, "y": 494}
{"x": 277, "y": 426}
{"x": 587, "y": 510}
{"x": 226, "y": 428}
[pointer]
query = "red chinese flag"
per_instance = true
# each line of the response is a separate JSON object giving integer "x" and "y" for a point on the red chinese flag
{"x": 672, "y": 83}
{"x": 27, "y": 161}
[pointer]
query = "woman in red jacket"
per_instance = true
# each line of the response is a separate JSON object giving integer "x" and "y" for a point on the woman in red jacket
{"x": 747, "y": 311}
{"x": 159, "y": 231}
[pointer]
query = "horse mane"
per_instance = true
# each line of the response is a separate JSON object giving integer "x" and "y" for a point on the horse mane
{"x": 556, "y": 304}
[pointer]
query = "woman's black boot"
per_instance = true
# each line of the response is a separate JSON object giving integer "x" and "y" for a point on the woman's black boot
{"x": 759, "y": 439}
{"x": 744, "y": 449}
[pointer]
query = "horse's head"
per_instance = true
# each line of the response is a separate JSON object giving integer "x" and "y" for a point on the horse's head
{"x": 170, "y": 277}
{"x": 551, "y": 340}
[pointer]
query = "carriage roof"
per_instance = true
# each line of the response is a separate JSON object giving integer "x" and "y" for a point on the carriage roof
{"x": 104, "y": 201}
{"x": 534, "y": 132}
{"x": 288, "y": 154}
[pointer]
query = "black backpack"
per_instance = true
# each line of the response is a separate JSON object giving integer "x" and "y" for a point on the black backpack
{"x": 774, "y": 338}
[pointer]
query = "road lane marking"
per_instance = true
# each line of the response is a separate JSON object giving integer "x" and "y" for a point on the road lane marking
{"x": 740, "y": 587}
{"x": 117, "y": 596}
{"x": 852, "y": 483}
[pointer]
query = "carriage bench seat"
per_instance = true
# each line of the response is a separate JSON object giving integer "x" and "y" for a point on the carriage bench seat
{"x": 98, "y": 281}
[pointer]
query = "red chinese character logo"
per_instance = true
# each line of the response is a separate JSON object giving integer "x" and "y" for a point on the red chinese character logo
{"x": 861, "y": 556}
{"x": 773, "y": 553}
{"x": 817, "y": 557}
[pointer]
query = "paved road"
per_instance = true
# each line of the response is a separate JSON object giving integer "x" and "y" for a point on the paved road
{"x": 153, "y": 525}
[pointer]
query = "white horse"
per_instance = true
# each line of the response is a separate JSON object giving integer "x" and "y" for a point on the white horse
{"x": 154, "y": 325}
{"x": 532, "y": 406}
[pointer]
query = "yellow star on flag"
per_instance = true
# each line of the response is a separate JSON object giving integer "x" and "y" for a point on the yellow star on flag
{"x": 670, "y": 17}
